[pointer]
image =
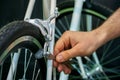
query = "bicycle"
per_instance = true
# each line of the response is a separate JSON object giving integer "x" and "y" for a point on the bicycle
{"x": 20, "y": 40}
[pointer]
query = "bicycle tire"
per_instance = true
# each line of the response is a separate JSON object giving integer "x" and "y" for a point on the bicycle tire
{"x": 25, "y": 39}
{"x": 110, "y": 63}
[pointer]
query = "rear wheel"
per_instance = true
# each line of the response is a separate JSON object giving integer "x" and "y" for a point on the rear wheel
{"x": 108, "y": 54}
{"x": 19, "y": 41}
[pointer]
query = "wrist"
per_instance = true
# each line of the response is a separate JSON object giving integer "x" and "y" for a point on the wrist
{"x": 100, "y": 36}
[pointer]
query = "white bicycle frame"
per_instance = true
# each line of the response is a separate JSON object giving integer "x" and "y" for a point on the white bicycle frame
{"x": 49, "y": 7}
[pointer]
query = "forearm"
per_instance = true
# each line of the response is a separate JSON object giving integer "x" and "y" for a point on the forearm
{"x": 110, "y": 29}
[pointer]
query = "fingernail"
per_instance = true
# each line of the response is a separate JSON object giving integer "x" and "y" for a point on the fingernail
{"x": 60, "y": 58}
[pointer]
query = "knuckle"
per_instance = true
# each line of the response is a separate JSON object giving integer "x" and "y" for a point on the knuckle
{"x": 66, "y": 33}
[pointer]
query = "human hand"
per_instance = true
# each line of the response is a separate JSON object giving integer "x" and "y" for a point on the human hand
{"x": 72, "y": 44}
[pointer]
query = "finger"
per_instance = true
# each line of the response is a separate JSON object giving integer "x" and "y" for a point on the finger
{"x": 60, "y": 67}
{"x": 67, "y": 70}
{"x": 55, "y": 64}
{"x": 62, "y": 43}
{"x": 59, "y": 47}
{"x": 67, "y": 54}
{"x": 64, "y": 68}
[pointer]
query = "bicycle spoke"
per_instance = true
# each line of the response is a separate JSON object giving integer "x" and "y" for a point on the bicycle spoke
{"x": 112, "y": 70}
{"x": 13, "y": 66}
{"x": 104, "y": 77}
{"x": 27, "y": 65}
{"x": 19, "y": 50}
{"x": 25, "y": 62}
{"x": 67, "y": 22}
{"x": 99, "y": 77}
{"x": 110, "y": 53}
{"x": 109, "y": 61}
{"x": 34, "y": 70}
{"x": 106, "y": 51}
{"x": 56, "y": 36}
{"x": 58, "y": 31}
{"x": 37, "y": 74}
{"x": 62, "y": 25}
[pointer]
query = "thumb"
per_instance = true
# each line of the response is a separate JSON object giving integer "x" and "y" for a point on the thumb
{"x": 66, "y": 55}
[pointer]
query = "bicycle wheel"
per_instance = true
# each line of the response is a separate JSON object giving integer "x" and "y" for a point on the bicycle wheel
{"x": 108, "y": 54}
{"x": 19, "y": 41}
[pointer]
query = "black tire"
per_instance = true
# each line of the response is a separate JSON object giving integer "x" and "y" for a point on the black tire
{"x": 16, "y": 37}
{"x": 109, "y": 53}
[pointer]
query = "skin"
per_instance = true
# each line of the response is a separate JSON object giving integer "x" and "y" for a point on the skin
{"x": 73, "y": 43}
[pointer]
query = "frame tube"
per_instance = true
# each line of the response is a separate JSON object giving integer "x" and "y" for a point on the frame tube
{"x": 29, "y": 9}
